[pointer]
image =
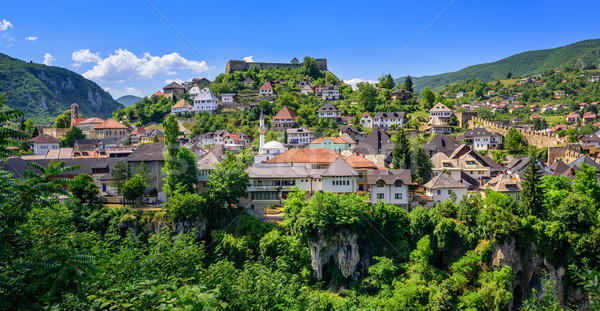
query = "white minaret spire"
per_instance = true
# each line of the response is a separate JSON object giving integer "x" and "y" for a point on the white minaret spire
{"x": 262, "y": 129}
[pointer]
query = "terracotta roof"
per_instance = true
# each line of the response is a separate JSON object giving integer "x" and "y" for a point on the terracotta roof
{"x": 266, "y": 86}
{"x": 159, "y": 93}
{"x": 336, "y": 140}
{"x": 234, "y": 136}
{"x": 284, "y": 113}
{"x": 306, "y": 155}
{"x": 45, "y": 139}
{"x": 359, "y": 162}
{"x": 443, "y": 180}
{"x": 182, "y": 104}
{"x": 138, "y": 131}
{"x": 92, "y": 121}
{"x": 536, "y": 116}
{"x": 366, "y": 114}
{"x": 111, "y": 124}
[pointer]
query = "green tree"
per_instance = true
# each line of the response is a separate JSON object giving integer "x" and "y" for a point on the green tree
{"x": 427, "y": 98}
{"x": 294, "y": 61}
{"x": 229, "y": 181}
{"x": 133, "y": 189}
{"x": 63, "y": 121}
{"x": 367, "y": 96}
{"x": 120, "y": 174}
{"x": 453, "y": 120}
{"x": 386, "y": 82}
{"x": 7, "y": 135}
{"x": 29, "y": 126}
{"x": 424, "y": 167}
{"x": 188, "y": 177}
{"x": 143, "y": 170}
{"x": 514, "y": 141}
{"x": 71, "y": 136}
{"x": 531, "y": 195}
{"x": 572, "y": 135}
{"x": 84, "y": 188}
{"x": 127, "y": 141}
{"x": 401, "y": 153}
{"x": 508, "y": 75}
{"x": 172, "y": 166}
{"x": 408, "y": 84}
{"x": 586, "y": 182}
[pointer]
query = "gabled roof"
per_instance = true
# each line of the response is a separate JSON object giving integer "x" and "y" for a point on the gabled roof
{"x": 439, "y": 107}
{"x": 400, "y": 91}
{"x": 159, "y": 93}
{"x": 111, "y": 124}
{"x": 154, "y": 133}
{"x": 443, "y": 181}
{"x": 367, "y": 114}
{"x": 339, "y": 167}
{"x": 266, "y": 86}
{"x": 45, "y": 139}
{"x": 208, "y": 161}
{"x": 300, "y": 130}
{"x": 477, "y": 132}
{"x": 336, "y": 140}
{"x": 590, "y": 138}
{"x": 205, "y": 94}
{"x": 559, "y": 167}
{"x": 248, "y": 80}
{"x": 359, "y": 162}
{"x": 138, "y": 131}
{"x": 173, "y": 85}
{"x": 182, "y": 103}
{"x": 345, "y": 136}
{"x": 328, "y": 107}
{"x": 284, "y": 113}
{"x": 389, "y": 177}
{"x": 441, "y": 143}
{"x": 587, "y": 160}
{"x": 504, "y": 183}
{"x": 378, "y": 142}
{"x": 389, "y": 115}
{"x": 93, "y": 120}
{"x": 148, "y": 152}
{"x": 306, "y": 155}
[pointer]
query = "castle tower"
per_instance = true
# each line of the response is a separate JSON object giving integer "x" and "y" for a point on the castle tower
{"x": 262, "y": 130}
{"x": 74, "y": 113}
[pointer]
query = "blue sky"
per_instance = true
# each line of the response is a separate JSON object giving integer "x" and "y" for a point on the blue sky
{"x": 127, "y": 47}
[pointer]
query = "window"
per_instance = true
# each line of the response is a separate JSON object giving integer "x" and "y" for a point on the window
{"x": 380, "y": 196}
{"x": 439, "y": 192}
{"x": 380, "y": 183}
{"x": 398, "y": 196}
{"x": 398, "y": 183}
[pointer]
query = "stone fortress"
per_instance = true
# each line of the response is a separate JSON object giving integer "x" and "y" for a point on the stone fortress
{"x": 240, "y": 65}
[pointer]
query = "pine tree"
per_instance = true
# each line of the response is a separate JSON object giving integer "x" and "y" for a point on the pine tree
{"x": 531, "y": 195}
{"x": 401, "y": 152}
{"x": 408, "y": 84}
{"x": 423, "y": 166}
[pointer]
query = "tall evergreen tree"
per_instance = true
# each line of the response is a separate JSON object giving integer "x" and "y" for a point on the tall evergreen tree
{"x": 531, "y": 196}
{"x": 401, "y": 153}
{"x": 408, "y": 84}
{"x": 172, "y": 166}
{"x": 423, "y": 166}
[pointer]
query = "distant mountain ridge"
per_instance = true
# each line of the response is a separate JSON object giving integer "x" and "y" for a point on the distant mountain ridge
{"x": 580, "y": 55}
{"x": 128, "y": 100}
{"x": 43, "y": 92}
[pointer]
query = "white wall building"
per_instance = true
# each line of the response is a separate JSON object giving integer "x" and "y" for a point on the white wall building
{"x": 441, "y": 188}
{"x": 366, "y": 121}
{"x": 42, "y": 143}
{"x": 389, "y": 186}
{"x": 300, "y": 136}
{"x": 340, "y": 177}
{"x": 328, "y": 110}
{"x": 204, "y": 99}
{"x": 386, "y": 119}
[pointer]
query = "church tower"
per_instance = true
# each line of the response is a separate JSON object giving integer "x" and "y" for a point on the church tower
{"x": 74, "y": 113}
{"x": 262, "y": 129}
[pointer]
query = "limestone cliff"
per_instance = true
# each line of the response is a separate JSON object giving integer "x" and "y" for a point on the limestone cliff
{"x": 343, "y": 249}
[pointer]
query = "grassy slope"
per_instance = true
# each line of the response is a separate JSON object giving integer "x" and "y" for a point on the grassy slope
{"x": 579, "y": 55}
{"x": 43, "y": 92}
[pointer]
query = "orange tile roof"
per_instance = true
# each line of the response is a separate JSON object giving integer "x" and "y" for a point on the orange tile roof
{"x": 138, "y": 131}
{"x": 93, "y": 120}
{"x": 78, "y": 120}
{"x": 366, "y": 114}
{"x": 536, "y": 116}
{"x": 306, "y": 155}
{"x": 266, "y": 86}
{"x": 284, "y": 113}
{"x": 111, "y": 124}
{"x": 359, "y": 162}
{"x": 159, "y": 93}
{"x": 336, "y": 140}
{"x": 583, "y": 104}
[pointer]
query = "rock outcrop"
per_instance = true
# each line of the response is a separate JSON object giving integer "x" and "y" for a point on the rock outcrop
{"x": 343, "y": 249}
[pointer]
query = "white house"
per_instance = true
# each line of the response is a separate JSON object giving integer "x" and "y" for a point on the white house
{"x": 441, "y": 111}
{"x": 330, "y": 92}
{"x": 42, "y": 143}
{"x": 441, "y": 188}
{"x": 307, "y": 89}
{"x": 389, "y": 186}
{"x": 386, "y": 119}
{"x": 228, "y": 98}
{"x": 328, "y": 110}
{"x": 300, "y": 136}
{"x": 460, "y": 94}
{"x": 204, "y": 99}
{"x": 481, "y": 139}
{"x": 266, "y": 89}
{"x": 340, "y": 177}
{"x": 366, "y": 121}
{"x": 181, "y": 106}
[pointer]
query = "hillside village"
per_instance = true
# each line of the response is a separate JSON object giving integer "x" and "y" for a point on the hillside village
{"x": 270, "y": 139}
{"x": 334, "y": 149}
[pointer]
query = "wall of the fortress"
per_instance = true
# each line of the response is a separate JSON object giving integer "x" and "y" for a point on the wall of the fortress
{"x": 531, "y": 137}
{"x": 240, "y": 65}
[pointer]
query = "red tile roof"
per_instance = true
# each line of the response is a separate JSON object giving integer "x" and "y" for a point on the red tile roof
{"x": 306, "y": 155}
{"x": 366, "y": 114}
{"x": 359, "y": 162}
{"x": 266, "y": 86}
{"x": 45, "y": 139}
{"x": 111, "y": 124}
{"x": 92, "y": 121}
{"x": 138, "y": 131}
{"x": 159, "y": 93}
{"x": 284, "y": 113}
{"x": 536, "y": 116}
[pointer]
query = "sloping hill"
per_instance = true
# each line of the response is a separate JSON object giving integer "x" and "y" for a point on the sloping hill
{"x": 128, "y": 100}
{"x": 43, "y": 92}
{"x": 580, "y": 55}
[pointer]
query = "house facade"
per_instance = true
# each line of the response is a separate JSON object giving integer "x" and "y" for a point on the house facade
{"x": 300, "y": 136}
{"x": 110, "y": 129}
{"x": 330, "y": 92}
{"x": 204, "y": 99}
{"x": 284, "y": 119}
{"x": 385, "y": 120}
{"x": 328, "y": 110}
{"x": 335, "y": 144}
{"x": 41, "y": 144}
{"x": 390, "y": 187}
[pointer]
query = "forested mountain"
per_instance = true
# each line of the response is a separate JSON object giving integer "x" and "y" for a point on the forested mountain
{"x": 579, "y": 55}
{"x": 43, "y": 92}
{"x": 128, "y": 100}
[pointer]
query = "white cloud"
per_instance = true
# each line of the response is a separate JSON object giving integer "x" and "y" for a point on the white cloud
{"x": 126, "y": 66}
{"x": 355, "y": 81}
{"x": 85, "y": 56}
{"x": 76, "y": 65}
{"x": 48, "y": 59}
{"x": 168, "y": 81}
{"x": 4, "y": 25}
{"x": 249, "y": 59}
{"x": 132, "y": 90}
{"x": 31, "y": 38}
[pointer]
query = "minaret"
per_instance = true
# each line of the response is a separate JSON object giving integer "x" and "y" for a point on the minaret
{"x": 262, "y": 130}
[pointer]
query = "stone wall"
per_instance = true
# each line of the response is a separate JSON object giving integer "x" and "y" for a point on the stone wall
{"x": 240, "y": 65}
{"x": 567, "y": 153}
{"x": 537, "y": 139}
{"x": 464, "y": 117}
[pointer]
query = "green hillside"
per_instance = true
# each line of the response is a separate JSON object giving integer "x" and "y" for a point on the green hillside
{"x": 128, "y": 100}
{"x": 580, "y": 55}
{"x": 43, "y": 92}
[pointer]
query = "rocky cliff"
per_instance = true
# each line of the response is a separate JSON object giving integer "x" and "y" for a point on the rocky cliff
{"x": 343, "y": 250}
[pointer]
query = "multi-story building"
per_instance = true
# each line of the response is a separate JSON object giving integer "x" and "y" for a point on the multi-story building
{"x": 390, "y": 187}
{"x": 300, "y": 136}
{"x": 110, "y": 129}
{"x": 330, "y": 92}
{"x": 204, "y": 99}
{"x": 284, "y": 119}
{"x": 328, "y": 110}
